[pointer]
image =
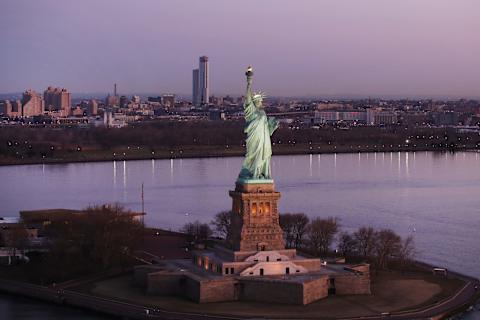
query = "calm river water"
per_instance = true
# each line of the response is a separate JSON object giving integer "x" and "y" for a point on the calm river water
{"x": 432, "y": 196}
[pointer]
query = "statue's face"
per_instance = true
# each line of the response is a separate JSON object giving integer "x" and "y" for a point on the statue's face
{"x": 258, "y": 102}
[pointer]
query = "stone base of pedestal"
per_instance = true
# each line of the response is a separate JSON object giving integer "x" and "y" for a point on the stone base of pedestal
{"x": 254, "y": 221}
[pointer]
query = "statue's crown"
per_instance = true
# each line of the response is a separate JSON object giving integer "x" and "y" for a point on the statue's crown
{"x": 259, "y": 95}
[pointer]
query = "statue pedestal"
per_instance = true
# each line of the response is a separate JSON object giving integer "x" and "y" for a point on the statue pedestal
{"x": 255, "y": 225}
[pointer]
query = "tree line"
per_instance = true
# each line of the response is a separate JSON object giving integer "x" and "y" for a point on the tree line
{"x": 49, "y": 142}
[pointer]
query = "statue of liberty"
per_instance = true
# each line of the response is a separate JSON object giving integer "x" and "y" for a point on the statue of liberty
{"x": 258, "y": 128}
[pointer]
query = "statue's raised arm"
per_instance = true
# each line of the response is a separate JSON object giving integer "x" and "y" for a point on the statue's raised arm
{"x": 249, "y": 106}
{"x": 249, "y": 95}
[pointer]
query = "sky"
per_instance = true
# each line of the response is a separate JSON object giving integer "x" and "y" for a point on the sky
{"x": 404, "y": 48}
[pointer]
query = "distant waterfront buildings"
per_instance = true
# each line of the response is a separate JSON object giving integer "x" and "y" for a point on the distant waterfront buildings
{"x": 114, "y": 120}
{"x": 58, "y": 100}
{"x": 55, "y": 102}
{"x": 32, "y": 104}
{"x": 371, "y": 116}
{"x": 123, "y": 101}
{"x": 168, "y": 100}
{"x": 445, "y": 118}
{"x": 108, "y": 118}
{"x": 385, "y": 117}
{"x": 136, "y": 99}
{"x": 200, "y": 83}
{"x": 336, "y": 116}
{"x": 114, "y": 100}
{"x": 111, "y": 101}
{"x": 216, "y": 115}
{"x": 92, "y": 108}
{"x": 216, "y": 101}
{"x": 11, "y": 108}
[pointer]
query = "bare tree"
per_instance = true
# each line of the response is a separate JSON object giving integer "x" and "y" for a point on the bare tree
{"x": 294, "y": 226}
{"x": 221, "y": 223}
{"x": 286, "y": 223}
{"x": 300, "y": 226}
{"x": 365, "y": 240}
{"x": 407, "y": 251}
{"x": 197, "y": 231}
{"x": 347, "y": 244}
{"x": 120, "y": 234}
{"x": 387, "y": 246}
{"x": 321, "y": 233}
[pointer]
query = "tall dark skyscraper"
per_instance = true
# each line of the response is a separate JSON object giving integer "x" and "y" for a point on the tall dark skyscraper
{"x": 195, "y": 100}
{"x": 203, "y": 80}
{"x": 200, "y": 83}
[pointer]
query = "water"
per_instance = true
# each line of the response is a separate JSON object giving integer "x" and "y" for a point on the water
{"x": 432, "y": 196}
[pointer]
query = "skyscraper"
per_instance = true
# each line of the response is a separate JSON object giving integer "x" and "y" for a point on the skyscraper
{"x": 200, "y": 83}
{"x": 203, "y": 79}
{"x": 195, "y": 100}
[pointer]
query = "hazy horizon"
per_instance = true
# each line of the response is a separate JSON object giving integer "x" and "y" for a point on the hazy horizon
{"x": 407, "y": 48}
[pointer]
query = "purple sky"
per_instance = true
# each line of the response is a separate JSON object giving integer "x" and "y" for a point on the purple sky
{"x": 357, "y": 47}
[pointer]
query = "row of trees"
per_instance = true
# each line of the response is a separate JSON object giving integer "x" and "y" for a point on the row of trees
{"x": 319, "y": 236}
{"x": 377, "y": 246}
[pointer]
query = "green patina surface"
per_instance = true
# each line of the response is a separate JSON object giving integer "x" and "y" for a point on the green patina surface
{"x": 258, "y": 128}
{"x": 254, "y": 181}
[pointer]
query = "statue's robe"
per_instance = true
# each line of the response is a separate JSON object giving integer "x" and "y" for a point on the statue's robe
{"x": 259, "y": 148}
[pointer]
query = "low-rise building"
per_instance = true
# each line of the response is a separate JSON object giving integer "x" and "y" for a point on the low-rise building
{"x": 385, "y": 117}
{"x": 337, "y": 116}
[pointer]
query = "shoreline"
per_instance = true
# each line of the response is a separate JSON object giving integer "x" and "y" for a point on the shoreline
{"x": 218, "y": 152}
{"x": 453, "y": 305}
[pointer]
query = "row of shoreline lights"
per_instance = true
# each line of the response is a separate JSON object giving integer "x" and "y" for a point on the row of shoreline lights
{"x": 335, "y": 147}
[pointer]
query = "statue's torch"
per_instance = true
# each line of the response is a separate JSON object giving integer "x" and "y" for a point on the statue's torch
{"x": 249, "y": 72}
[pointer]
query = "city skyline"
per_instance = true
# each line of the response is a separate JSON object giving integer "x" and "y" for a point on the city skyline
{"x": 341, "y": 48}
